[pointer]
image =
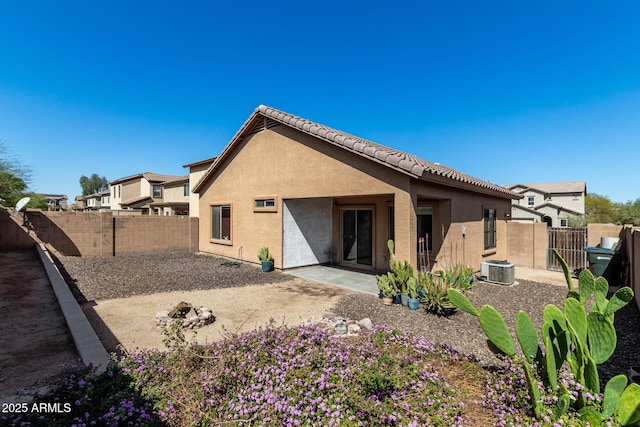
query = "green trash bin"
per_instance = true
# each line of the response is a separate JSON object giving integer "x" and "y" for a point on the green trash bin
{"x": 602, "y": 262}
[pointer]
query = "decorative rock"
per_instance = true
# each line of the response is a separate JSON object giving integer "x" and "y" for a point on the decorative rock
{"x": 340, "y": 328}
{"x": 201, "y": 316}
{"x": 353, "y": 328}
{"x": 180, "y": 310}
{"x": 328, "y": 316}
{"x": 366, "y": 323}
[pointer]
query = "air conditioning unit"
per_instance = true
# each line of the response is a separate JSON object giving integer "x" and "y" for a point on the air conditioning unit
{"x": 501, "y": 272}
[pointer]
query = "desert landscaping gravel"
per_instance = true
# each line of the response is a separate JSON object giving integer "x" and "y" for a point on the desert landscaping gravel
{"x": 96, "y": 278}
{"x": 99, "y": 278}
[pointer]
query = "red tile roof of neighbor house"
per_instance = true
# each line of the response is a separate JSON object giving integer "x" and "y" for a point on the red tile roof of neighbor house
{"x": 399, "y": 160}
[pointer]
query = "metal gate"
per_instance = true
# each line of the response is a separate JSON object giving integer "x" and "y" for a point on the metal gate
{"x": 570, "y": 242}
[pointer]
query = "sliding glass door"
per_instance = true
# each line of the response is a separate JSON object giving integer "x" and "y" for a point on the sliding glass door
{"x": 357, "y": 236}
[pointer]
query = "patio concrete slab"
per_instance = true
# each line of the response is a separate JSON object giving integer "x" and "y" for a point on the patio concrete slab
{"x": 355, "y": 280}
{"x": 366, "y": 282}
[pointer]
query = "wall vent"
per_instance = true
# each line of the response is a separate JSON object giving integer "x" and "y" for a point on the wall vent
{"x": 263, "y": 124}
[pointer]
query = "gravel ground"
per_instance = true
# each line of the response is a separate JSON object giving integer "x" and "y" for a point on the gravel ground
{"x": 99, "y": 278}
{"x": 462, "y": 330}
{"x": 96, "y": 278}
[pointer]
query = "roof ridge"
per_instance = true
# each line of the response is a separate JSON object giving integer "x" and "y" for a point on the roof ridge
{"x": 407, "y": 162}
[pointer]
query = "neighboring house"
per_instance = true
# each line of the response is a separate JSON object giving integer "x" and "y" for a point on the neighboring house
{"x": 56, "y": 202}
{"x": 79, "y": 204}
{"x": 313, "y": 194}
{"x": 196, "y": 171}
{"x": 97, "y": 201}
{"x": 175, "y": 198}
{"x": 146, "y": 192}
{"x": 555, "y": 203}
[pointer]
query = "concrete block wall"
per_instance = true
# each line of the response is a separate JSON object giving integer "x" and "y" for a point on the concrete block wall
{"x": 596, "y": 231}
{"x": 12, "y": 237}
{"x": 74, "y": 233}
{"x": 102, "y": 234}
{"x": 528, "y": 244}
{"x": 634, "y": 255}
{"x": 155, "y": 233}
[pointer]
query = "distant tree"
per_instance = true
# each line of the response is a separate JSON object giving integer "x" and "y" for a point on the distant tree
{"x": 14, "y": 178}
{"x": 93, "y": 184}
{"x": 599, "y": 209}
{"x": 38, "y": 201}
{"x": 628, "y": 213}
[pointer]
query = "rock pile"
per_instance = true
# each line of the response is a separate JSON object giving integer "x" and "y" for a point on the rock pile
{"x": 343, "y": 327}
{"x": 201, "y": 316}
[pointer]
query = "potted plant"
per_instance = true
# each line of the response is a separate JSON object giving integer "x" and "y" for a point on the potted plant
{"x": 413, "y": 302}
{"x": 400, "y": 273}
{"x": 266, "y": 259}
{"x": 387, "y": 290}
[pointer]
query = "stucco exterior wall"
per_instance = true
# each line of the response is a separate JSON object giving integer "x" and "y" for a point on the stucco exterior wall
{"x": 284, "y": 168}
{"x": 195, "y": 173}
{"x": 307, "y": 232}
{"x": 569, "y": 201}
{"x": 284, "y": 164}
{"x": 131, "y": 189}
{"x": 174, "y": 193}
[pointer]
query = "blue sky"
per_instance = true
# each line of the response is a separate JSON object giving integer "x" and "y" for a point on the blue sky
{"x": 509, "y": 92}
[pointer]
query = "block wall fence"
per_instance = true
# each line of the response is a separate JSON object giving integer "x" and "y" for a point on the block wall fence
{"x": 105, "y": 234}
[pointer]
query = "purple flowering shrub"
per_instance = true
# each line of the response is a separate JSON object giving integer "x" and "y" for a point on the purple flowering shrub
{"x": 304, "y": 376}
{"x": 81, "y": 398}
{"x": 289, "y": 376}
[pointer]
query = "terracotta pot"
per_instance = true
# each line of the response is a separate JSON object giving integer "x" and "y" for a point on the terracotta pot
{"x": 387, "y": 300}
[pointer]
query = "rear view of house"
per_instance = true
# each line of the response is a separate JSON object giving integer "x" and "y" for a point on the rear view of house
{"x": 314, "y": 195}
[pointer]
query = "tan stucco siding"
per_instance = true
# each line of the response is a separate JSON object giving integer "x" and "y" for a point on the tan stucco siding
{"x": 174, "y": 194}
{"x": 131, "y": 190}
{"x": 285, "y": 164}
{"x": 195, "y": 173}
{"x": 273, "y": 164}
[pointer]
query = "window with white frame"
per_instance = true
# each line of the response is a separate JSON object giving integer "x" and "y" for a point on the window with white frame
{"x": 531, "y": 200}
{"x": 564, "y": 222}
{"x": 264, "y": 204}
{"x": 221, "y": 222}
{"x": 157, "y": 191}
{"x": 185, "y": 190}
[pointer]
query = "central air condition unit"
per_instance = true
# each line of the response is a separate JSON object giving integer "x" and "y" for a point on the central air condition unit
{"x": 501, "y": 272}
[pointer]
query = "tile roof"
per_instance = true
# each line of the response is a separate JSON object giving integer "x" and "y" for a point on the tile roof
{"x": 399, "y": 160}
{"x": 156, "y": 177}
{"x": 180, "y": 179}
{"x": 135, "y": 200}
{"x": 200, "y": 162}
{"x": 555, "y": 187}
{"x": 149, "y": 176}
{"x": 98, "y": 194}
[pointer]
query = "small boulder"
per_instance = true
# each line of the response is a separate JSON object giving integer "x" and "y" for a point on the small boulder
{"x": 366, "y": 323}
{"x": 180, "y": 310}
